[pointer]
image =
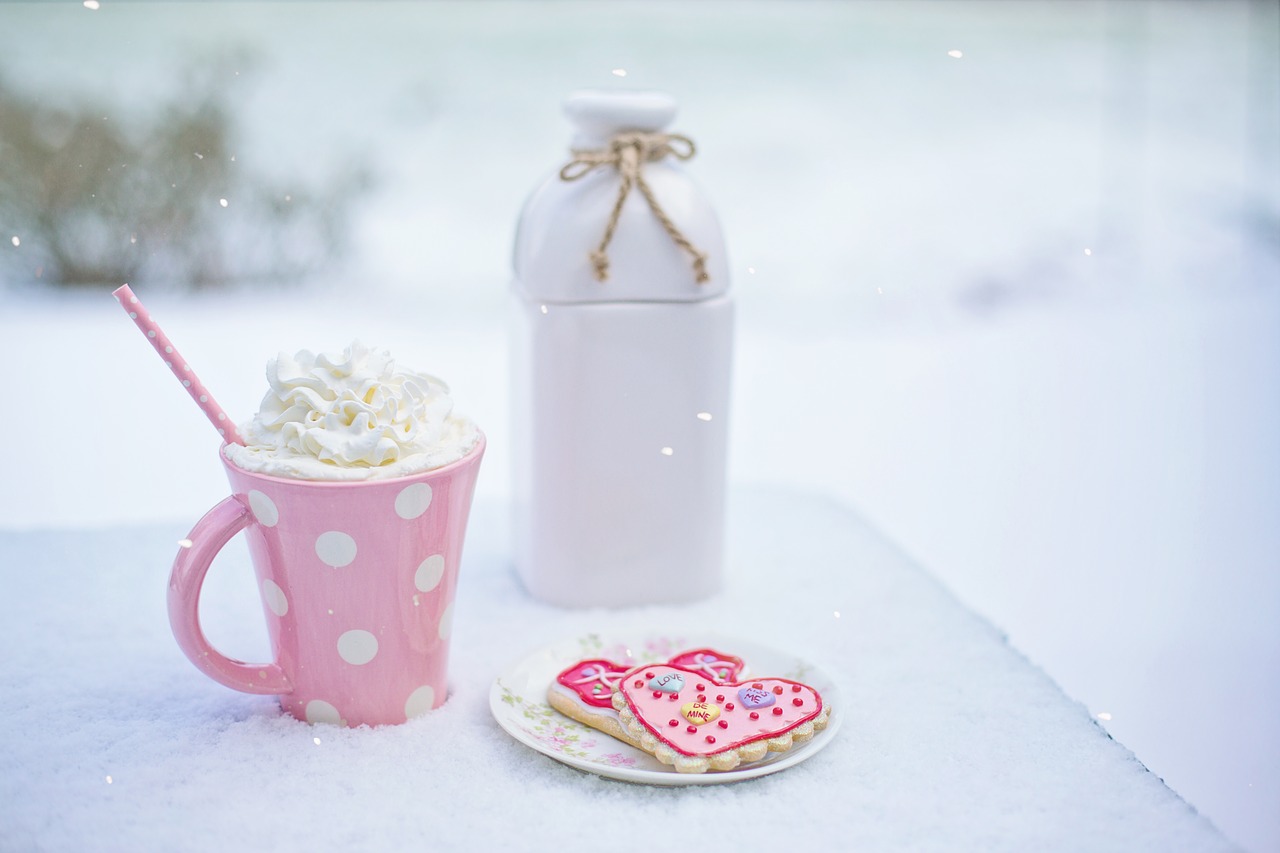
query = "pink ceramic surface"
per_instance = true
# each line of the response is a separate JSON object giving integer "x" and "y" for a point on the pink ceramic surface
{"x": 357, "y": 582}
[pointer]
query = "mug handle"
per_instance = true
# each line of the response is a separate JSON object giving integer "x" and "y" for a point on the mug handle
{"x": 185, "y": 582}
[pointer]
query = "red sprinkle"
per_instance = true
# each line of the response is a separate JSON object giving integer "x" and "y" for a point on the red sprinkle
{"x": 702, "y": 697}
{"x": 691, "y": 729}
{"x": 778, "y": 690}
{"x": 674, "y": 723}
{"x": 777, "y": 712}
{"x": 719, "y": 697}
{"x": 702, "y": 687}
{"x": 795, "y": 688}
{"x": 729, "y": 707}
{"x": 639, "y": 683}
{"x": 711, "y": 738}
{"x": 648, "y": 675}
{"x": 724, "y": 724}
{"x": 758, "y": 686}
{"x": 754, "y": 715}
{"x": 673, "y": 696}
{"x": 797, "y": 701}
{"x": 657, "y": 694}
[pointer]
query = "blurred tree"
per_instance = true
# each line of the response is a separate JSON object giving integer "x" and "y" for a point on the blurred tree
{"x": 166, "y": 202}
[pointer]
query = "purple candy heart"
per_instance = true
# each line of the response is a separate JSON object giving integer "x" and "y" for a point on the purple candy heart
{"x": 754, "y": 697}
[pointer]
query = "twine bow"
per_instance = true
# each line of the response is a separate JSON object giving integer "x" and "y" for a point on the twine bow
{"x": 628, "y": 152}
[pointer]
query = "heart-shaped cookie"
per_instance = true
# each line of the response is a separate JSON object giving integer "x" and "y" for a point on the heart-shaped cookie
{"x": 709, "y": 726}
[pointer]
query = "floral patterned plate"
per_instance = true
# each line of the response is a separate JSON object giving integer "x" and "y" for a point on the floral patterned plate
{"x": 518, "y": 700}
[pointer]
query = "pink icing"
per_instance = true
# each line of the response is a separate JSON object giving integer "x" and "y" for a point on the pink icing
{"x": 593, "y": 680}
{"x": 734, "y": 726}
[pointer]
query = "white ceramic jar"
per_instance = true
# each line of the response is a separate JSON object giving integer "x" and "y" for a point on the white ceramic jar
{"x": 620, "y": 387}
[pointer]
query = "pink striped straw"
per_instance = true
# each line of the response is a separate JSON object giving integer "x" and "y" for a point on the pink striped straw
{"x": 175, "y": 362}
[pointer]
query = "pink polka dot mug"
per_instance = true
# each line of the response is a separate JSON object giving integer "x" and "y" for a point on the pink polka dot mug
{"x": 357, "y": 582}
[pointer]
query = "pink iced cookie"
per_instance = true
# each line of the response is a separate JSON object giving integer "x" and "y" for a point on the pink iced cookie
{"x": 688, "y": 720}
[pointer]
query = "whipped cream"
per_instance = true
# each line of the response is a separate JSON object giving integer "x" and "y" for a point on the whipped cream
{"x": 351, "y": 416}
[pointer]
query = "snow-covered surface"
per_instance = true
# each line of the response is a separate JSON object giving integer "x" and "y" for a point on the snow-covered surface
{"x": 1081, "y": 446}
{"x": 951, "y": 740}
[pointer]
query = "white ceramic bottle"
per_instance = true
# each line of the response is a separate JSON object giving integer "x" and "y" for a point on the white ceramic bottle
{"x": 620, "y": 386}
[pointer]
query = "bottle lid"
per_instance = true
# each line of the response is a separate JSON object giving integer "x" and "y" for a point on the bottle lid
{"x": 577, "y": 242}
{"x": 597, "y": 114}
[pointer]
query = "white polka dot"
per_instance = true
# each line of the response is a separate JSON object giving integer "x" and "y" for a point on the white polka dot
{"x": 264, "y": 509}
{"x": 429, "y": 573}
{"x": 335, "y": 549}
{"x": 420, "y": 702}
{"x": 446, "y": 622}
{"x": 413, "y": 500}
{"x": 274, "y": 596}
{"x": 204, "y": 398}
{"x": 168, "y": 349}
{"x": 186, "y": 383}
{"x": 357, "y": 647}
{"x": 133, "y": 315}
{"x": 320, "y": 711}
{"x": 151, "y": 334}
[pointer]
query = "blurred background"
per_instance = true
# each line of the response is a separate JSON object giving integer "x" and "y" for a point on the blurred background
{"x": 1008, "y": 277}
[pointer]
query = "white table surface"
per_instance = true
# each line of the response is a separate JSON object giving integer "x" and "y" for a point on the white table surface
{"x": 1024, "y": 257}
{"x": 950, "y": 739}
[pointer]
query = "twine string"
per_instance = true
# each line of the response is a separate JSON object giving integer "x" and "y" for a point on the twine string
{"x": 627, "y": 153}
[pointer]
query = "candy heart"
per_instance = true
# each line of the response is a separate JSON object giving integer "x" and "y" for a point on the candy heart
{"x": 742, "y": 732}
{"x": 755, "y": 697}
{"x": 699, "y": 712}
{"x": 667, "y": 682}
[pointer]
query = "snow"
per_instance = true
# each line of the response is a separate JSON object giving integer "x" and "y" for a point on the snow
{"x": 113, "y": 741}
{"x": 1081, "y": 446}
